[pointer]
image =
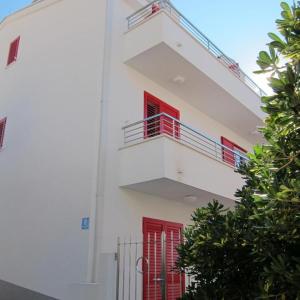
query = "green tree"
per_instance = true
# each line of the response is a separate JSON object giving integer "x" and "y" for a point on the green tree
{"x": 253, "y": 251}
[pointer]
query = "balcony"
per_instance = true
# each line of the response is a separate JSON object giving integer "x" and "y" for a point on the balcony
{"x": 164, "y": 46}
{"x": 164, "y": 157}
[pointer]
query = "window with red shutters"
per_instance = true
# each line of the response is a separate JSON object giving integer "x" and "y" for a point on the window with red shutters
{"x": 13, "y": 51}
{"x": 161, "y": 124}
{"x": 228, "y": 155}
{"x": 2, "y": 131}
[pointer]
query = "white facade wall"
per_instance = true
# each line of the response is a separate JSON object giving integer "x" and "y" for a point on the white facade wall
{"x": 51, "y": 98}
{"x": 51, "y": 169}
{"x": 126, "y": 105}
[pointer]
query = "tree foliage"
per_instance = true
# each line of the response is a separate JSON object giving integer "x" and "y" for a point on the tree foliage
{"x": 253, "y": 251}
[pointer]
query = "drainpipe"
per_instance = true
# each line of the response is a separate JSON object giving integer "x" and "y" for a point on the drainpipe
{"x": 97, "y": 203}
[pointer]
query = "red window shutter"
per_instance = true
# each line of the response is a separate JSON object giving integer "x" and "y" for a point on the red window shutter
{"x": 164, "y": 124}
{"x": 153, "y": 125}
{"x": 175, "y": 282}
{"x": 13, "y": 51}
{"x": 169, "y": 126}
{"x": 152, "y": 253}
{"x": 2, "y": 131}
{"x": 228, "y": 156}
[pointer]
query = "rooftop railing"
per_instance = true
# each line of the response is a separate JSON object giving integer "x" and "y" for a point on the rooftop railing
{"x": 165, "y": 5}
{"x": 164, "y": 124}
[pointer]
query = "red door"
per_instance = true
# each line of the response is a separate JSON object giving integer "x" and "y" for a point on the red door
{"x": 155, "y": 126}
{"x": 161, "y": 239}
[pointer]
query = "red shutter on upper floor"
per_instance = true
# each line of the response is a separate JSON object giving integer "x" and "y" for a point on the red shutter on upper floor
{"x": 153, "y": 125}
{"x": 228, "y": 156}
{"x": 2, "y": 131}
{"x": 13, "y": 51}
{"x": 169, "y": 126}
{"x": 163, "y": 124}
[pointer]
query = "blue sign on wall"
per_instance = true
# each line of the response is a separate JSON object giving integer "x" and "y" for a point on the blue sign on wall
{"x": 85, "y": 223}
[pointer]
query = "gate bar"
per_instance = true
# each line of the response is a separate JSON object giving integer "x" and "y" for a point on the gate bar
{"x": 163, "y": 266}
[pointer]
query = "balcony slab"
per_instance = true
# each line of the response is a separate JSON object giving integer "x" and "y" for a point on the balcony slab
{"x": 162, "y": 166}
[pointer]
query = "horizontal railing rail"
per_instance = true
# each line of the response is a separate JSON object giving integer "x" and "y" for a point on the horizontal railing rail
{"x": 165, "y": 5}
{"x": 164, "y": 124}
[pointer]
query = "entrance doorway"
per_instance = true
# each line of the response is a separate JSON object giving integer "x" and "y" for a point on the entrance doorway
{"x": 161, "y": 280}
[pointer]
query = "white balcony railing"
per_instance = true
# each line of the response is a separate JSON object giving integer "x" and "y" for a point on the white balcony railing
{"x": 164, "y": 124}
{"x": 165, "y": 5}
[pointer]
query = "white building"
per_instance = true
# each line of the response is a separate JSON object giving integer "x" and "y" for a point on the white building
{"x": 79, "y": 164}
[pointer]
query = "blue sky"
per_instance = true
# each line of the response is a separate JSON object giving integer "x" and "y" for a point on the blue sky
{"x": 238, "y": 27}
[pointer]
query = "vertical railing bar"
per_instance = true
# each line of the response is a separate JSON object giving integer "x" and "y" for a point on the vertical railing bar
{"x": 180, "y": 274}
{"x": 124, "y": 266}
{"x": 163, "y": 265}
{"x": 129, "y": 263}
{"x": 118, "y": 270}
{"x": 172, "y": 262}
{"x": 135, "y": 274}
{"x": 149, "y": 266}
{"x": 155, "y": 267}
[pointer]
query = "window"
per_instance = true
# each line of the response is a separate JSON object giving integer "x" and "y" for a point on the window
{"x": 232, "y": 154}
{"x": 155, "y": 124}
{"x": 2, "y": 130}
{"x": 13, "y": 51}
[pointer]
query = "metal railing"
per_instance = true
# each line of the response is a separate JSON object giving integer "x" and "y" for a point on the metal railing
{"x": 164, "y": 124}
{"x": 147, "y": 269}
{"x": 165, "y": 5}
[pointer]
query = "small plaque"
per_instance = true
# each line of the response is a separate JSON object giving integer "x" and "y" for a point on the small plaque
{"x": 85, "y": 223}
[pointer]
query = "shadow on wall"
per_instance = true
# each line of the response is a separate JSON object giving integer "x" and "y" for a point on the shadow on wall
{"x": 10, "y": 291}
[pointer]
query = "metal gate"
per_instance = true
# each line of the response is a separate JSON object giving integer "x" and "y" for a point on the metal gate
{"x": 141, "y": 276}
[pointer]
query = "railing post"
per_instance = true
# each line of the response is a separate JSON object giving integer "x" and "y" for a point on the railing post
{"x": 118, "y": 270}
{"x": 163, "y": 266}
{"x": 174, "y": 128}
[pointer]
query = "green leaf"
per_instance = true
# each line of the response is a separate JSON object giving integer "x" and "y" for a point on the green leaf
{"x": 264, "y": 57}
{"x": 277, "y": 84}
{"x": 275, "y": 38}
